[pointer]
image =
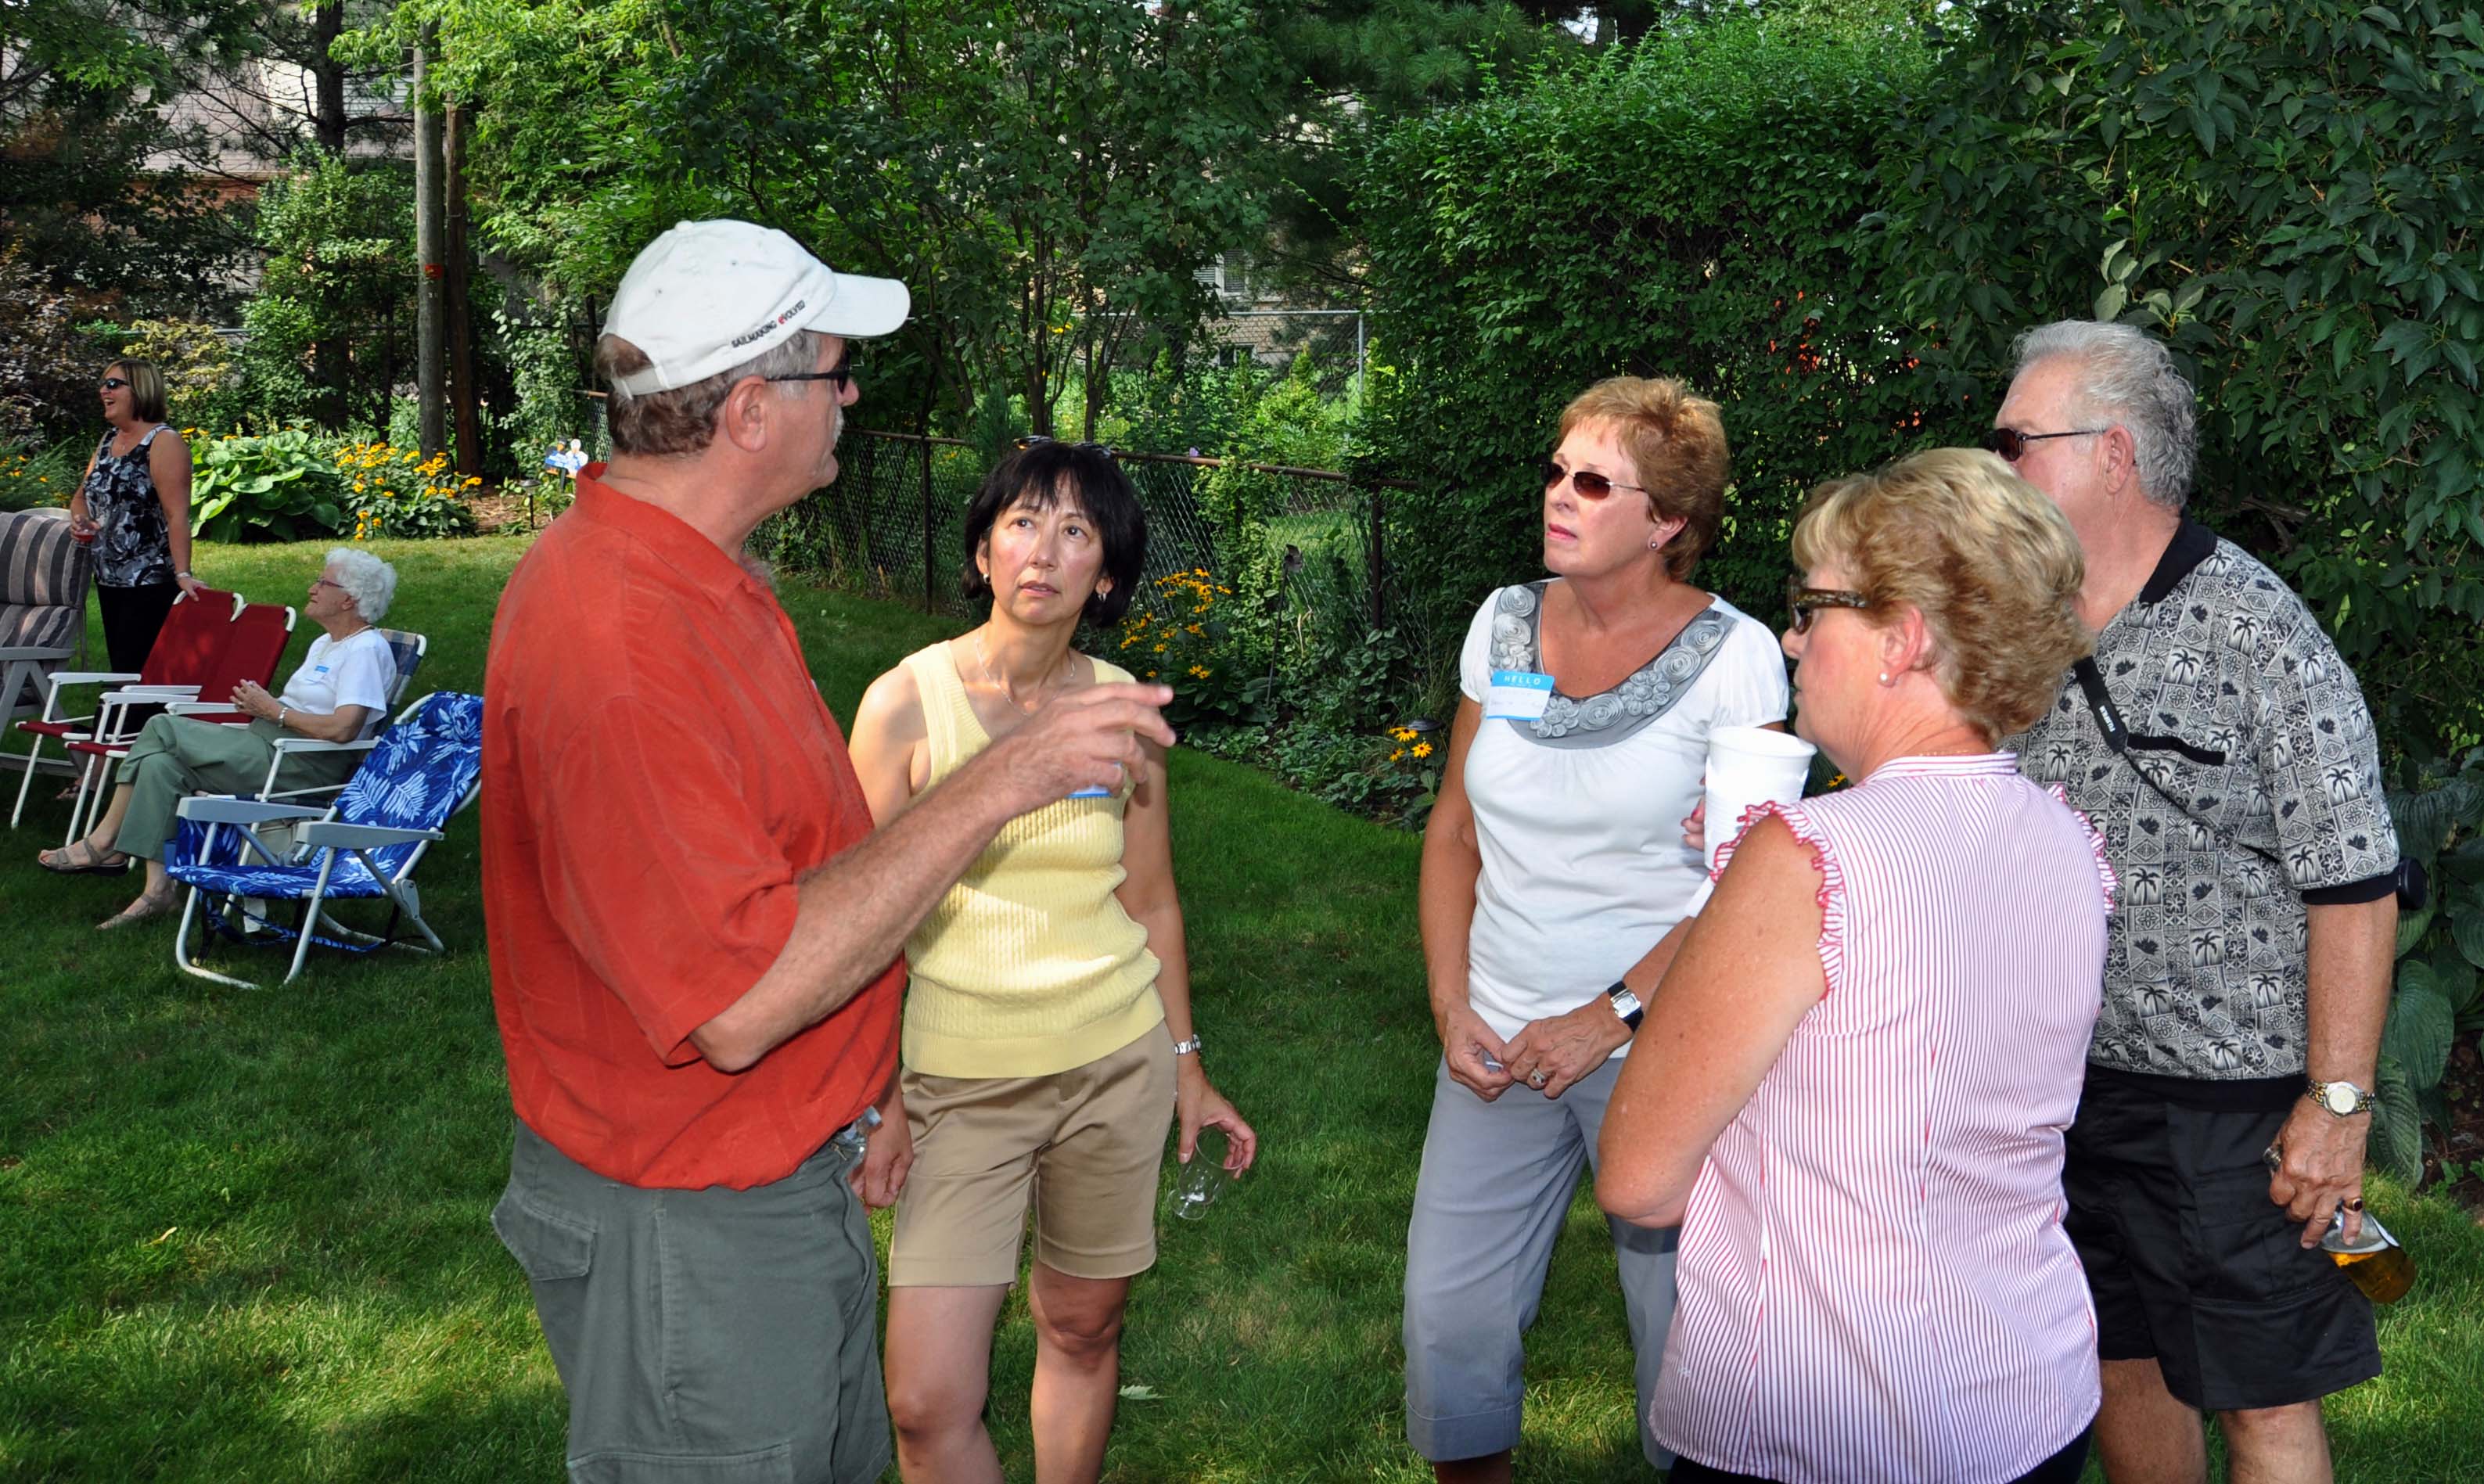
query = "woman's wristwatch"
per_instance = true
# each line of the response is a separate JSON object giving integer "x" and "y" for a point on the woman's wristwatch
{"x": 1188, "y": 1047}
{"x": 1626, "y": 1003}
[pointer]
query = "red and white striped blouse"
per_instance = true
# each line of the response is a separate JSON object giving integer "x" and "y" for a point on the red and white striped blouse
{"x": 1874, "y": 1285}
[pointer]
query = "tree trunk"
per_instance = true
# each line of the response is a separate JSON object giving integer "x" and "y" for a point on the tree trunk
{"x": 461, "y": 314}
{"x": 431, "y": 307}
{"x": 328, "y": 76}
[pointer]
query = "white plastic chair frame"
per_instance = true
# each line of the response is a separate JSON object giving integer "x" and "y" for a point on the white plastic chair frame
{"x": 108, "y": 706}
{"x": 327, "y": 835}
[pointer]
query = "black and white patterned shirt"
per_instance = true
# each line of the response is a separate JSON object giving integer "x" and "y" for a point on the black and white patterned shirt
{"x": 134, "y": 547}
{"x": 2278, "y": 776}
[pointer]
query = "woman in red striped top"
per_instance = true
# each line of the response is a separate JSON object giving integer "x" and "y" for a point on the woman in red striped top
{"x": 1853, "y": 1082}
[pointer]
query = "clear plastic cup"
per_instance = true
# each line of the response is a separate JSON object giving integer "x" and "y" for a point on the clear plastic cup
{"x": 1198, "y": 1184}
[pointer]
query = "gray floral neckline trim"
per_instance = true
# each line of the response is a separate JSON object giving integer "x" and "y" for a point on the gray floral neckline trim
{"x": 1608, "y": 716}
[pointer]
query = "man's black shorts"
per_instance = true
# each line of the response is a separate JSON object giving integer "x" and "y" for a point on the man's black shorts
{"x": 2190, "y": 1263}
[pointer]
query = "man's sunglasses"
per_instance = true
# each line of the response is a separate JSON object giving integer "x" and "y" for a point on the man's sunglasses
{"x": 839, "y": 375}
{"x": 114, "y": 383}
{"x": 1804, "y": 602}
{"x": 1586, "y": 481}
{"x": 2011, "y": 445}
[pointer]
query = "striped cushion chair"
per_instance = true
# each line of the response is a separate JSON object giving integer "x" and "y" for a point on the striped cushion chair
{"x": 43, "y": 604}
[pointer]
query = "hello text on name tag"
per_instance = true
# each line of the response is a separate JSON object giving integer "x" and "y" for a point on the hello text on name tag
{"x": 1517, "y": 696}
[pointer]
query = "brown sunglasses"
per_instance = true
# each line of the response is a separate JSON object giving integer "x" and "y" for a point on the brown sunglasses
{"x": 1803, "y": 602}
{"x": 1586, "y": 481}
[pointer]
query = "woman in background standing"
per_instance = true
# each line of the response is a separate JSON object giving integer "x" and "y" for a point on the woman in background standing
{"x": 133, "y": 507}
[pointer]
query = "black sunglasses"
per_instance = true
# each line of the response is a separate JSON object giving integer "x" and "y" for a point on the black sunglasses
{"x": 2011, "y": 445}
{"x": 1586, "y": 481}
{"x": 839, "y": 375}
{"x": 1805, "y": 602}
{"x": 114, "y": 384}
{"x": 1037, "y": 440}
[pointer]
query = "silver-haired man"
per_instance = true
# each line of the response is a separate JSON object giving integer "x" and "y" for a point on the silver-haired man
{"x": 2227, "y": 754}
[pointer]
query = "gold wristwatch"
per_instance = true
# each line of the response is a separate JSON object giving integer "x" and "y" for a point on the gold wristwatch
{"x": 2340, "y": 1098}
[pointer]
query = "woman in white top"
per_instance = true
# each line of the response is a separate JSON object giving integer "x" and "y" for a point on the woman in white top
{"x": 340, "y": 693}
{"x": 1554, "y": 863}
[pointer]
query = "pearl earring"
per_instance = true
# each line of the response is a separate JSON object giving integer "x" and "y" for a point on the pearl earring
{"x": 1884, "y": 677}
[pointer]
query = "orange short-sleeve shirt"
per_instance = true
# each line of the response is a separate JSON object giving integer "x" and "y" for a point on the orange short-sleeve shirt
{"x": 659, "y": 773}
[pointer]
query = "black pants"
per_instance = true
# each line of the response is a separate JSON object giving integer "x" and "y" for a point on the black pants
{"x": 131, "y": 619}
{"x": 2062, "y": 1468}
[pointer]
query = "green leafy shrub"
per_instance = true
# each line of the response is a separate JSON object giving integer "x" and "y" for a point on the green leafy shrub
{"x": 332, "y": 326}
{"x": 395, "y": 492}
{"x": 1696, "y": 207}
{"x": 2440, "y": 818}
{"x": 1187, "y": 639}
{"x": 2288, "y": 193}
{"x": 280, "y": 486}
{"x": 34, "y": 474}
{"x": 201, "y": 381}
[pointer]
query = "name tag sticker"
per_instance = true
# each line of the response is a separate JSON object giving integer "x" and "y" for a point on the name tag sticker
{"x": 1517, "y": 696}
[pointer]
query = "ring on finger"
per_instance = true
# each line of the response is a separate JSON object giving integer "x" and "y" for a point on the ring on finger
{"x": 2354, "y": 1203}
{"x": 1536, "y": 1078}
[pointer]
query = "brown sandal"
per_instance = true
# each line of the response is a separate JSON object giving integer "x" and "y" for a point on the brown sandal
{"x": 66, "y": 862}
{"x": 144, "y": 907}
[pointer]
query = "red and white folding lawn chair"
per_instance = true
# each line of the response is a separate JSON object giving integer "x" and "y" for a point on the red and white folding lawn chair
{"x": 186, "y": 648}
{"x": 253, "y": 643}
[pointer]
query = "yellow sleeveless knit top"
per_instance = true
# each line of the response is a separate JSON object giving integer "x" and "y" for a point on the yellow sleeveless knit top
{"x": 1029, "y": 965}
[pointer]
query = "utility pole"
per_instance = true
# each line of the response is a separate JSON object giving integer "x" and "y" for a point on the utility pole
{"x": 431, "y": 316}
{"x": 462, "y": 409}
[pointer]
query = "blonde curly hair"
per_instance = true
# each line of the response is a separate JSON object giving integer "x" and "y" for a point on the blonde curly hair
{"x": 1984, "y": 555}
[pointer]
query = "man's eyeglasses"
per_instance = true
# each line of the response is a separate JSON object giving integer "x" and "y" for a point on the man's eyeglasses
{"x": 839, "y": 376}
{"x": 1586, "y": 481}
{"x": 1803, "y": 602}
{"x": 114, "y": 383}
{"x": 2011, "y": 445}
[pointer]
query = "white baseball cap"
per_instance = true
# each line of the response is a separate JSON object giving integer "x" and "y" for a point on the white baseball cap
{"x": 707, "y": 296}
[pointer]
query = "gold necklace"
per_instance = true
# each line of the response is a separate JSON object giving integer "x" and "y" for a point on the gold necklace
{"x": 999, "y": 682}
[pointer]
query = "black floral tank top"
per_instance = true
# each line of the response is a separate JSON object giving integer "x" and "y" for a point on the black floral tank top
{"x": 133, "y": 547}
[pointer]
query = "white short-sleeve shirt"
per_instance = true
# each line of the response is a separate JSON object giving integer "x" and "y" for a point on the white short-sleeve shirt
{"x": 1578, "y": 816}
{"x": 356, "y": 670}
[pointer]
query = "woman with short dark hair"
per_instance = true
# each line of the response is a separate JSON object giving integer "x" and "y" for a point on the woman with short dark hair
{"x": 1048, "y": 1039}
{"x": 132, "y": 508}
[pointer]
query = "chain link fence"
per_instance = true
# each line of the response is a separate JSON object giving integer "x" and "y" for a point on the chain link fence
{"x": 1334, "y": 341}
{"x": 892, "y": 526}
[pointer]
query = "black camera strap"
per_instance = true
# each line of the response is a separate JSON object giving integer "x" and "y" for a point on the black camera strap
{"x": 2411, "y": 880}
{"x": 2122, "y": 740}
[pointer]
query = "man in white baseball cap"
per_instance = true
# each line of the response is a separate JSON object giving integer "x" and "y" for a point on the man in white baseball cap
{"x": 693, "y": 924}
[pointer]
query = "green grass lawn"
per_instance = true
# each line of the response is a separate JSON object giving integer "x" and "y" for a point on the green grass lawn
{"x": 243, "y": 1233}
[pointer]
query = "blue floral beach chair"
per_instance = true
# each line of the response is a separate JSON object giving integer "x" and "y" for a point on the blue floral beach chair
{"x": 426, "y": 768}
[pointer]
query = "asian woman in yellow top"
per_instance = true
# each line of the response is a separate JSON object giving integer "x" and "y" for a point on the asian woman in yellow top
{"x": 1048, "y": 1042}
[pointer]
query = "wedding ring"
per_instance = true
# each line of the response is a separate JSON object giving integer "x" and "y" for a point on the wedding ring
{"x": 2354, "y": 1203}
{"x": 1536, "y": 1078}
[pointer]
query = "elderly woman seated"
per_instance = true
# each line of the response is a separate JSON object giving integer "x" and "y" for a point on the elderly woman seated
{"x": 340, "y": 693}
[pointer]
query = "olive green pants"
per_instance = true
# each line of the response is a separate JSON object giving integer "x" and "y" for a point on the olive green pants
{"x": 176, "y": 757}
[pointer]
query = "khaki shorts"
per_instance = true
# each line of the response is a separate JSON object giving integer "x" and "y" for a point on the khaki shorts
{"x": 1083, "y": 1147}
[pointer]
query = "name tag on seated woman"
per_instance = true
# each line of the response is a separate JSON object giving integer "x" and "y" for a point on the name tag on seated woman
{"x": 1517, "y": 696}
